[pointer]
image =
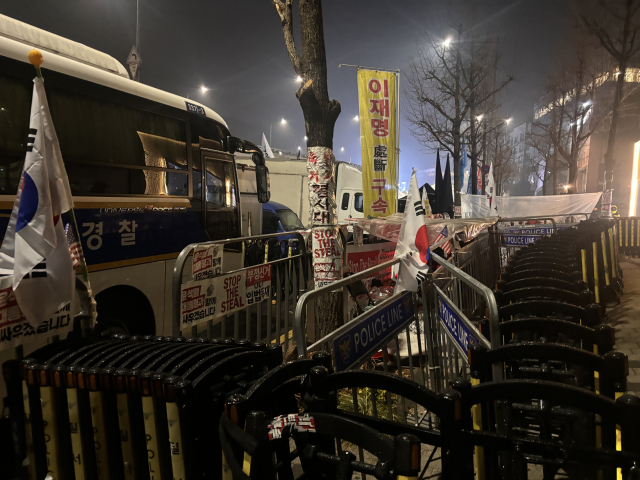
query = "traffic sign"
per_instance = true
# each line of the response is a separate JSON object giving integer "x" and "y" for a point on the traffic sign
{"x": 134, "y": 57}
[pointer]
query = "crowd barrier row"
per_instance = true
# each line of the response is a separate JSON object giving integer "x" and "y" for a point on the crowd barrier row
{"x": 497, "y": 375}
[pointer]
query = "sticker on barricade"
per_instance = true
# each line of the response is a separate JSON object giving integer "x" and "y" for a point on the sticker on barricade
{"x": 258, "y": 284}
{"x": 209, "y": 298}
{"x": 518, "y": 240}
{"x": 297, "y": 423}
{"x": 15, "y": 329}
{"x": 459, "y": 331}
{"x": 207, "y": 262}
{"x": 365, "y": 334}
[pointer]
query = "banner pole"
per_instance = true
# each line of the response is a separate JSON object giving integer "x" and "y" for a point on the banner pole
{"x": 398, "y": 142}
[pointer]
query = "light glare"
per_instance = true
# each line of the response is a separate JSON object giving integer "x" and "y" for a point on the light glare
{"x": 203, "y": 89}
{"x": 283, "y": 121}
{"x": 633, "y": 200}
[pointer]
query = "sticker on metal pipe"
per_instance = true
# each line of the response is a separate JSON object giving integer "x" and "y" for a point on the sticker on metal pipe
{"x": 458, "y": 330}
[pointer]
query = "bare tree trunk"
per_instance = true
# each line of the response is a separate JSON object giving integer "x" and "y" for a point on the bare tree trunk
{"x": 320, "y": 116}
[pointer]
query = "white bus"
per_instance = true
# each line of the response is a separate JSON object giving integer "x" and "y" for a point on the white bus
{"x": 151, "y": 172}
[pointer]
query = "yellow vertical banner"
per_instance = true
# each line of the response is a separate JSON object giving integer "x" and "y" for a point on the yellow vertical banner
{"x": 378, "y": 135}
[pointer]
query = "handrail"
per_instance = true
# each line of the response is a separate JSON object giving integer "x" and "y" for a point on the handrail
{"x": 178, "y": 268}
{"x": 298, "y": 323}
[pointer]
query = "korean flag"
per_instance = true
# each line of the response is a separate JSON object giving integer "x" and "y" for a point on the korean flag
{"x": 413, "y": 242}
{"x": 34, "y": 251}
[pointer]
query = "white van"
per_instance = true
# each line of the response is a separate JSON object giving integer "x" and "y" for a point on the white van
{"x": 290, "y": 186}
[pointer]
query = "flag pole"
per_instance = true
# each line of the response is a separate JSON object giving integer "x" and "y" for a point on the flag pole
{"x": 88, "y": 313}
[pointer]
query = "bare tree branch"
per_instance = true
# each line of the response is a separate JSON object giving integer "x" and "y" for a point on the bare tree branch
{"x": 285, "y": 12}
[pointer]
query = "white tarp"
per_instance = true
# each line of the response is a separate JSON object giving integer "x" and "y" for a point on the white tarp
{"x": 477, "y": 206}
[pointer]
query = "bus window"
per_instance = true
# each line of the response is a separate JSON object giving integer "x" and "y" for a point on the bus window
{"x": 15, "y": 105}
{"x": 222, "y": 216}
{"x": 93, "y": 130}
{"x": 108, "y": 180}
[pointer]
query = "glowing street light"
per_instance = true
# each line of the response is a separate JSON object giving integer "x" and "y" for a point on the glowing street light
{"x": 479, "y": 117}
{"x": 342, "y": 149}
{"x": 299, "y": 79}
{"x": 447, "y": 42}
{"x": 282, "y": 122}
{"x": 356, "y": 118}
{"x": 508, "y": 121}
{"x": 566, "y": 188}
{"x": 203, "y": 89}
{"x": 305, "y": 138}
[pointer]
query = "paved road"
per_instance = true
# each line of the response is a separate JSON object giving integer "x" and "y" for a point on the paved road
{"x": 625, "y": 318}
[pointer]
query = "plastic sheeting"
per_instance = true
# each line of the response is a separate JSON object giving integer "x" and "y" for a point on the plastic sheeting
{"x": 464, "y": 229}
{"x": 477, "y": 206}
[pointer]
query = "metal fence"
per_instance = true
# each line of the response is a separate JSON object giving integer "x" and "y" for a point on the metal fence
{"x": 271, "y": 288}
{"x": 437, "y": 321}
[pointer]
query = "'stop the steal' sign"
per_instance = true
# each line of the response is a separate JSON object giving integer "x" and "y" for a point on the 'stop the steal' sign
{"x": 460, "y": 332}
{"x": 366, "y": 335}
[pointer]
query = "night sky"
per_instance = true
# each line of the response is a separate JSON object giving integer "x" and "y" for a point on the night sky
{"x": 236, "y": 49}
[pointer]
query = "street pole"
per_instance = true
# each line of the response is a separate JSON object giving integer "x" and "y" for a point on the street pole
{"x": 138, "y": 35}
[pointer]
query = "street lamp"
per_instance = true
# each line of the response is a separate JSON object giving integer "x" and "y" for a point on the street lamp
{"x": 342, "y": 149}
{"x": 479, "y": 117}
{"x": 356, "y": 118}
{"x": 299, "y": 79}
{"x": 202, "y": 90}
{"x": 282, "y": 122}
{"x": 305, "y": 138}
{"x": 447, "y": 42}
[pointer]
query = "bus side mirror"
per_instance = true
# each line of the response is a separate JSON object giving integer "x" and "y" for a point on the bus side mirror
{"x": 262, "y": 183}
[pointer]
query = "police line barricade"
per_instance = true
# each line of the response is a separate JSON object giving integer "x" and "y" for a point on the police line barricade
{"x": 253, "y": 302}
{"x": 451, "y": 299}
{"x": 257, "y": 425}
{"x": 475, "y": 258}
{"x": 504, "y": 449}
{"x": 509, "y": 239}
{"x": 585, "y": 252}
{"x": 322, "y": 392}
{"x": 628, "y": 240}
{"x": 101, "y": 409}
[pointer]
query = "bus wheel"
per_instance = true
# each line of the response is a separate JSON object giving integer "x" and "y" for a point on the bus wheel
{"x": 125, "y": 310}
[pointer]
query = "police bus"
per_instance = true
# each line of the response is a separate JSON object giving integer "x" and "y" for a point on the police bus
{"x": 151, "y": 172}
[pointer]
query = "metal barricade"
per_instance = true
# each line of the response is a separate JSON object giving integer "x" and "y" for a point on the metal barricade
{"x": 510, "y": 243}
{"x": 262, "y": 313}
{"x": 628, "y": 232}
{"x": 451, "y": 299}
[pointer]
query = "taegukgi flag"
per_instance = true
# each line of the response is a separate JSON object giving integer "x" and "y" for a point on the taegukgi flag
{"x": 413, "y": 242}
{"x": 34, "y": 250}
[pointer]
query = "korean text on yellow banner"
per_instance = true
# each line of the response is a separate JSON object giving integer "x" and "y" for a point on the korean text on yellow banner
{"x": 378, "y": 133}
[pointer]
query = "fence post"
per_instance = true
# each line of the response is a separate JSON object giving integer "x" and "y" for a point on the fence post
{"x": 456, "y": 458}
